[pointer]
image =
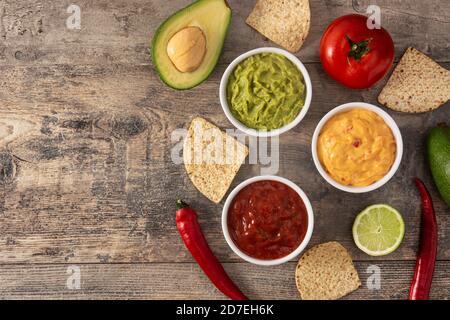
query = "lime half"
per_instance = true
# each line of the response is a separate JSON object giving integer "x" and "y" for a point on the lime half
{"x": 378, "y": 230}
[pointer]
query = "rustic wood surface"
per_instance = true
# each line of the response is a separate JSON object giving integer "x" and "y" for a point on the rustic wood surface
{"x": 86, "y": 177}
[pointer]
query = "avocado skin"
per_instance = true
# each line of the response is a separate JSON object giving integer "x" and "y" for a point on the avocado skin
{"x": 154, "y": 45}
{"x": 438, "y": 149}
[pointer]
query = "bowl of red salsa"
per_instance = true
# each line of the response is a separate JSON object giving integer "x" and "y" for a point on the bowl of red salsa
{"x": 267, "y": 220}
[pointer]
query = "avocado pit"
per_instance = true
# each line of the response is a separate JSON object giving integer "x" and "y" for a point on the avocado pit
{"x": 187, "y": 48}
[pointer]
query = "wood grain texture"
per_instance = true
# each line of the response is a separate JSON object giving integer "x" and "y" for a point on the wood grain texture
{"x": 93, "y": 163}
{"x": 86, "y": 175}
{"x": 116, "y": 31}
{"x": 150, "y": 281}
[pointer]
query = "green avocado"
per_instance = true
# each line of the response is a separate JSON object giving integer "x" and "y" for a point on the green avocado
{"x": 438, "y": 148}
{"x": 213, "y": 18}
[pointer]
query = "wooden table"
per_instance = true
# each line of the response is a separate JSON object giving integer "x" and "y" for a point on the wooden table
{"x": 86, "y": 178}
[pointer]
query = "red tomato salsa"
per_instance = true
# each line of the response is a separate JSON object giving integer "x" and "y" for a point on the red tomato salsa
{"x": 267, "y": 220}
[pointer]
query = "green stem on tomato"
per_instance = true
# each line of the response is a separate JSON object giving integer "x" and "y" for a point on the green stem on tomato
{"x": 358, "y": 49}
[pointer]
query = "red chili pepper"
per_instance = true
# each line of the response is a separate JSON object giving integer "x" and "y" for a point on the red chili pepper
{"x": 195, "y": 241}
{"x": 426, "y": 258}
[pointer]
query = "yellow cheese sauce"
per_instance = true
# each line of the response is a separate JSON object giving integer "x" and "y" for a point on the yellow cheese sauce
{"x": 356, "y": 147}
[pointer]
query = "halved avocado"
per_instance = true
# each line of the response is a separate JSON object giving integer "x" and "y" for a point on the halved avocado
{"x": 213, "y": 18}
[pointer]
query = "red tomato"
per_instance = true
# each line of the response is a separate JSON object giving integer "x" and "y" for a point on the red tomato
{"x": 355, "y": 55}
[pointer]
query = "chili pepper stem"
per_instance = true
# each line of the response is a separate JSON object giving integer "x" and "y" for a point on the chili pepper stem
{"x": 181, "y": 204}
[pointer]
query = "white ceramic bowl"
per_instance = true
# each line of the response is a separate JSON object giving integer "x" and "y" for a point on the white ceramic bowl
{"x": 281, "y": 260}
{"x": 251, "y": 131}
{"x": 395, "y": 131}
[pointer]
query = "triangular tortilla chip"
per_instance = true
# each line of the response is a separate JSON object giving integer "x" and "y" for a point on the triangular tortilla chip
{"x": 326, "y": 272}
{"x": 418, "y": 84}
{"x": 212, "y": 158}
{"x": 285, "y": 22}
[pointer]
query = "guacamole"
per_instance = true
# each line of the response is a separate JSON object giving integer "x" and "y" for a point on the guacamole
{"x": 266, "y": 91}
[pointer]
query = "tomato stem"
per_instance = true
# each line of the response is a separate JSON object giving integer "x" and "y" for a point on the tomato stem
{"x": 358, "y": 49}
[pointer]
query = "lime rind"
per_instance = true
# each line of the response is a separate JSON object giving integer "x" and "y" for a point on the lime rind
{"x": 366, "y": 230}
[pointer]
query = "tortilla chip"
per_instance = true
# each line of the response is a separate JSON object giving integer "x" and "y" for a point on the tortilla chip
{"x": 326, "y": 272}
{"x": 418, "y": 84}
{"x": 212, "y": 158}
{"x": 285, "y": 22}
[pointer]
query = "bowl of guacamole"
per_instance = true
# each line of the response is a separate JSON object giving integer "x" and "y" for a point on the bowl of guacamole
{"x": 265, "y": 92}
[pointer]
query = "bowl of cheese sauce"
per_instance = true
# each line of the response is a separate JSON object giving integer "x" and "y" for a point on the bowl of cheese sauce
{"x": 357, "y": 147}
